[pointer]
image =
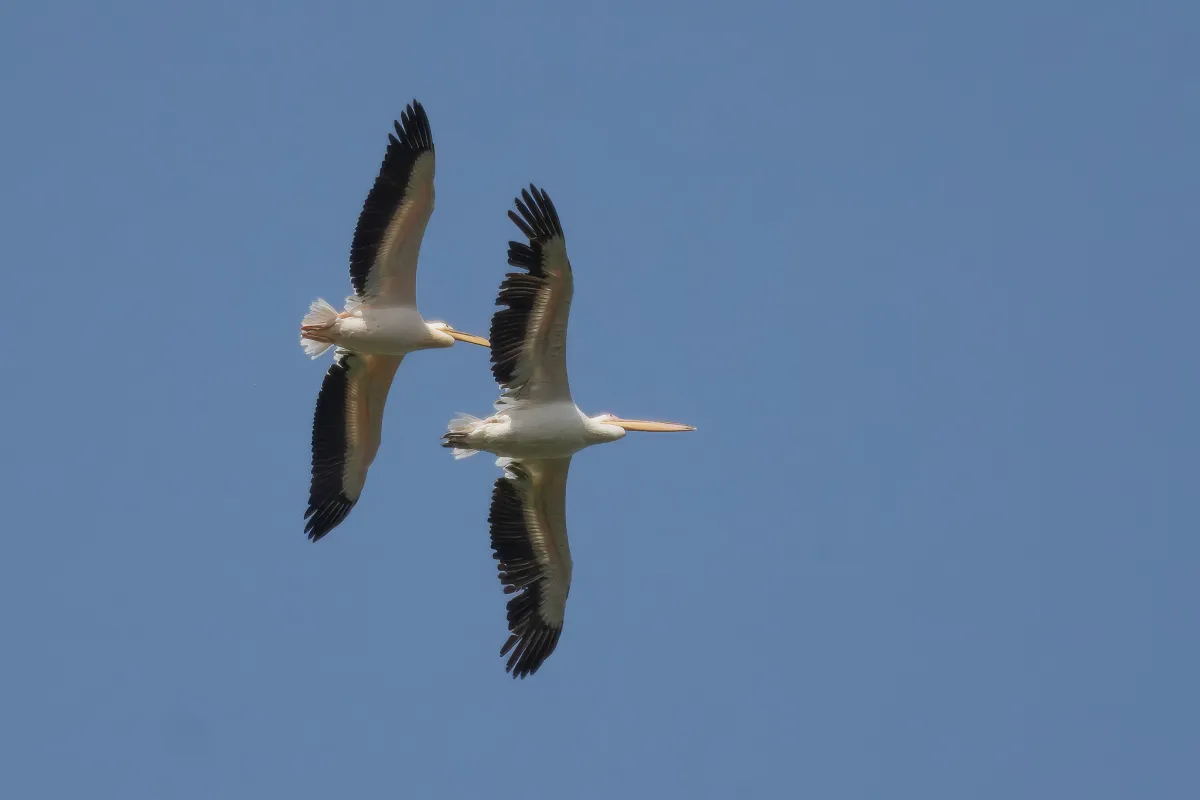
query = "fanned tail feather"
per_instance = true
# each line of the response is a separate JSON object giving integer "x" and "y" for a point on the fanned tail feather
{"x": 320, "y": 316}
{"x": 456, "y": 434}
{"x": 313, "y": 348}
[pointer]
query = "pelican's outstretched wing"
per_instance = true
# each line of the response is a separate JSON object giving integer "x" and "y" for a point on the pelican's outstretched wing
{"x": 387, "y": 240}
{"x": 346, "y": 430}
{"x": 529, "y": 334}
{"x": 529, "y": 539}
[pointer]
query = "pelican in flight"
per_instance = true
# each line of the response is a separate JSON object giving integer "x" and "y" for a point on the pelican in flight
{"x": 379, "y": 326}
{"x": 535, "y": 431}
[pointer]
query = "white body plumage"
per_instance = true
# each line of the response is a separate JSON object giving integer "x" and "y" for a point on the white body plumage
{"x": 375, "y": 330}
{"x": 533, "y": 430}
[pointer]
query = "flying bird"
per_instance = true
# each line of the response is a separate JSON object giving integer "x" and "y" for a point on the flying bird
{"x": 535, "y": 430}
{"x": 379, "y": 326}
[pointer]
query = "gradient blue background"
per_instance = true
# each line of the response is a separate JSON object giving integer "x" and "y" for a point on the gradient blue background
{"x": 923, "y": 274}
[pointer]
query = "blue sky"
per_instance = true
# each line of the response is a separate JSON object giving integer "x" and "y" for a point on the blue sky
{"x": 923, "y": 274}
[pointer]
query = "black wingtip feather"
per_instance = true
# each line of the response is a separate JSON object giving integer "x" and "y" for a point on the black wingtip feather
{"x": 538, "y": 221}
{"x": 328, "y": 504}
{"x": 520, "y": 223}
{"x": 518, "y": 293}
{"x": 413, "y": 137}
{"x": 539, "y": 218}
{"x": 531, "y": 639}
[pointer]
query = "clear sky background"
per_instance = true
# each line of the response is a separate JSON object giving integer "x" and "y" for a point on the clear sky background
{"x": 923, "y": 274}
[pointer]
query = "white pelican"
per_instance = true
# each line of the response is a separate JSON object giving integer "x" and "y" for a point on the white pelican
{"x": 378, "y": 327}
{"x": 535, "y": 431}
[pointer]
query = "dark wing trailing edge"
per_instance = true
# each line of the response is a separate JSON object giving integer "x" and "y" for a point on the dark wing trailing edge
{"x": 412, "y": 139}
{"x": 534, "y": 561}
{"x": 328, "y": 503}
{"x": 524, "y": 295}
{"x": 345, "y": 437}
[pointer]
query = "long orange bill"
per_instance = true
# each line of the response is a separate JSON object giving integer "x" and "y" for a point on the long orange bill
{"x": 466, "y": 337}
{"x": 649, "y": 426}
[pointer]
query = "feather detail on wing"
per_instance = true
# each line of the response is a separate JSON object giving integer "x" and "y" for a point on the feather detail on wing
{"x": 529, "y": 540}
{"x": 529, "y": 333}
{"x": 347, "y": 426}
{"x": 387, "y": 239}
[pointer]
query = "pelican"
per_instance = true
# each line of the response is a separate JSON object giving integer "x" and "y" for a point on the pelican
{"x": 535, "y": 431}
{"x": 379, "y": 326}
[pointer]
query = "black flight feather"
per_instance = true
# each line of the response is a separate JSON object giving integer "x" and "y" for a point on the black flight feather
{"x": 532, "y": 639}
{"x": 328, "y": 504}
{"x": 412, "y": 139}
{"x": 538, "y": 220}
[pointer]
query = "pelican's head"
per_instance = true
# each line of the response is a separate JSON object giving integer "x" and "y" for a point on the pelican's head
{"x": 445, "y": 336}
{"x": 613, "y": 427}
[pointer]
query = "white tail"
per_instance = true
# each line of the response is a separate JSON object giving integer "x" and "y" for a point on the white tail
{"x": 320, "y": 316}
{"x": 313, "y": 348}
{"x": 456, "y": 435}
{"x": 461, "y": 422}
